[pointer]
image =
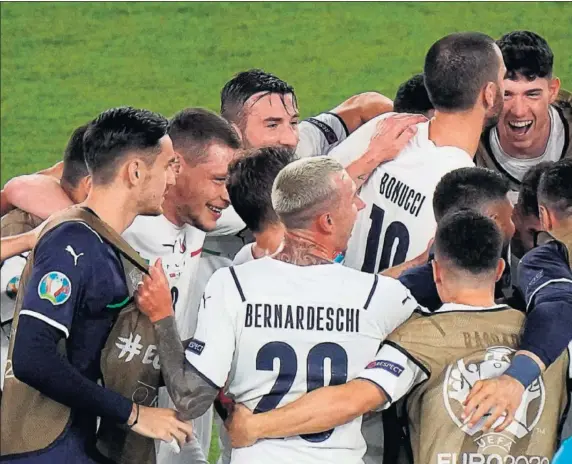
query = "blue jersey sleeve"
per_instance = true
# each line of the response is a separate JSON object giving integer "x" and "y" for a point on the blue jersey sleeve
{"x": 545, "y": 280}
{"x": 64, "y": 265}
{"x": 420, "y": 283}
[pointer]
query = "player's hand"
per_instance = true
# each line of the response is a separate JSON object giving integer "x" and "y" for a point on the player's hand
{"x": 240, "y": 426}
{"x": 153, "y": 295}
{"x": 392, "y": 134}
{"x": 499, "y": 395}
{"x": 161, "y": 424}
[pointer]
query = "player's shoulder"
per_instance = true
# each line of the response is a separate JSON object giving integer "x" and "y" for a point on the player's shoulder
{"x": 71, "y": 233}
{"x": 17, "y": 222}
{"x": 550, "y": 253}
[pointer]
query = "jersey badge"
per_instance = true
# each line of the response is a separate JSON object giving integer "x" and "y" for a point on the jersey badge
{"x": 391, "y": 367}
{"x": 196, "y": 346}
{"x": 55, "y": 287}
{"x": 12, "y": 287}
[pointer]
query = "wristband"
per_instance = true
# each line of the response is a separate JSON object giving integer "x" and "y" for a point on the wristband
{"x": 136, "y": 418}
{"x": 524, "y": 369}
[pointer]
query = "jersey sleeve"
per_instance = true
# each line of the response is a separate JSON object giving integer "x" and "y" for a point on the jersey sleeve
{"x": 321, "y": 133}
{"x": 395, "y": 372}
{"x": 63, "y": 268}
{"x": 419, "y": 280}
{"x": 211, "y": 350}
{"x": 543, "y": 271}
{"x": 393, "y": 304}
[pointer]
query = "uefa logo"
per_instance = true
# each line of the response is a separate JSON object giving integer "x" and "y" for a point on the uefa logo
{"x": 463, "y": 374}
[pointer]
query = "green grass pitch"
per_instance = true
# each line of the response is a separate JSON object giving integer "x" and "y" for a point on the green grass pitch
{"x": 62, "y": 63}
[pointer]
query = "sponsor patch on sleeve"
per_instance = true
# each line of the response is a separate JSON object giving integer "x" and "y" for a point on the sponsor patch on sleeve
{"x": 391, "y": 367}
{"x": 196, "y": 346}
{"x": 55, "y": 287}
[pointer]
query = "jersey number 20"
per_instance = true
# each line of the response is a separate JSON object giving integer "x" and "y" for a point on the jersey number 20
{"x": 395, "y": 231}
{"x": 287, "y": 372}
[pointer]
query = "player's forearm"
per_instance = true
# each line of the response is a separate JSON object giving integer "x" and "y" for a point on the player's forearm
{"x": 36, "y": 194}
{"x": 191, "y": 394}
{"x": 36, "y": 362}
{"x": 54, "y": 171}
{"x": 319, "y": 410}
{"x": 359, "y": 109}
{"x": 16, "y": 244}
{"x": 5, "y": 205}
{"x": 396, "y": 271}
{"x": 360, "y": 169}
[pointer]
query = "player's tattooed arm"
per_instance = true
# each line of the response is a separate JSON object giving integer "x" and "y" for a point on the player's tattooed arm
{"x": 391, "y": 136}
{"x": 318, "y": 411}
{"x": 191, "y": 394}
{"x": 302, "y": 251}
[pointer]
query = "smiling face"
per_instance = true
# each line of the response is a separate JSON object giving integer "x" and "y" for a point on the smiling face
{"x": 269, "y": 120}
{"x": 524, "y": 125}
{"x": 200, "y": 193}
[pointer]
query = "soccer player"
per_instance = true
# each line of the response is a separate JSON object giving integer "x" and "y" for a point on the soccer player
{"x": 75, "y": 183}
{"x": 412, "y": 97}
{"x": 478, "y": 189}
{"x": 295, "y": 308}
{"x": 249, "y": 187}
{"x": 526, "y": 216}
{"x": 464, "y": 78}
{"x": 534, "y": 125}
{"x": 545, "y": 280}
{"x": 75, "y": 285}
{"x": 432, "y": 360}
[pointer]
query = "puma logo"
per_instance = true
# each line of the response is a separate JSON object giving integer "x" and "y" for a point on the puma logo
{"x": 405, "y": 299}
{"x": 72, "y": 252}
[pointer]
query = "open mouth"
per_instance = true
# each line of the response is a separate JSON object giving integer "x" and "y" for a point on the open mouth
{"x": 520, "y": 127}
{"x": 215, "y": 210}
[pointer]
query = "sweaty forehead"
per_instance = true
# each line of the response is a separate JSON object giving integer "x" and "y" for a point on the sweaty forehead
{"x": 271, "y": 105}
{"x": 218, "y": 156}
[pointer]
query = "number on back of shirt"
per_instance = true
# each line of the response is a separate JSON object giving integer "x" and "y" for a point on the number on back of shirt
{"x": 174, "y": 296}
{"x": 396, "y": 232}
{"x": 289, "y": 367}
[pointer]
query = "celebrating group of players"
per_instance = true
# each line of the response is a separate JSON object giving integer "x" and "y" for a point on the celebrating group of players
{"x": 388, "y": 281}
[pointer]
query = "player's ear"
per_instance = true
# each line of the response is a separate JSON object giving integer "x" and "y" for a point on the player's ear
{"x": 500, "y": 269}
{"x": 84, "y": 187}
{"x": 326, "y": 223}
{"x": 436, "y": 271}
{"x": 238, "y": 131}
{"x": 545, "y": 218}
{"x": 135, "y": 171}
{"x": 553, "y": 88}
{"x": 489, "y": 95}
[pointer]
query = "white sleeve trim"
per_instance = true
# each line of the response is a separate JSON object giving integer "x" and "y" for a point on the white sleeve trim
{"x": 47, "y": 320}
{"x": 553, "y": 281}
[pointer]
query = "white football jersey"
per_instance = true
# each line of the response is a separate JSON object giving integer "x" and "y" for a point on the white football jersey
{"x": 244, "y": 255}
{"x": 271, "y": 331}
{"x": 320, "y": 134}
{"x": 397, "y": 221}
{"x": 180, "y": 249}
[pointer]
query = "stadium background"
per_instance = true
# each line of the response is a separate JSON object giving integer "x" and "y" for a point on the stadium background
{"x": 63, "y": 63}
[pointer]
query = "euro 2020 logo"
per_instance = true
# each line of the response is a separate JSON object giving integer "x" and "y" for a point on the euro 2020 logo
{"x": 463, "y": 374}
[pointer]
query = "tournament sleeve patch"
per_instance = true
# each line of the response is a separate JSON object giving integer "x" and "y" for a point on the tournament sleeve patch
{"x": 391, "y": 367}
{"x": 328, "y": 132}
{"x": 196, "y": 346}
{"x": 55, "y": 287}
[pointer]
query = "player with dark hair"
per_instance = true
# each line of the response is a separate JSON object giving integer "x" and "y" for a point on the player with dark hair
{"x": 526, "y": 215}
{"x": 399, "y": 220}
{"x": 545, "y": 280}
{"x": 535, "y": 124}
{"x": 264, "y": 110}
{"x": 431, "y": 361}
{"x": 476, "y": 189}
{"x": 75, "y": 287}
{"x": 412, "y": 97}
{"x": 249, "y": 188}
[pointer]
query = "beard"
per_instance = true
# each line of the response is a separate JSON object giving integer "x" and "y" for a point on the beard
{"x": 494, "y": 112}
